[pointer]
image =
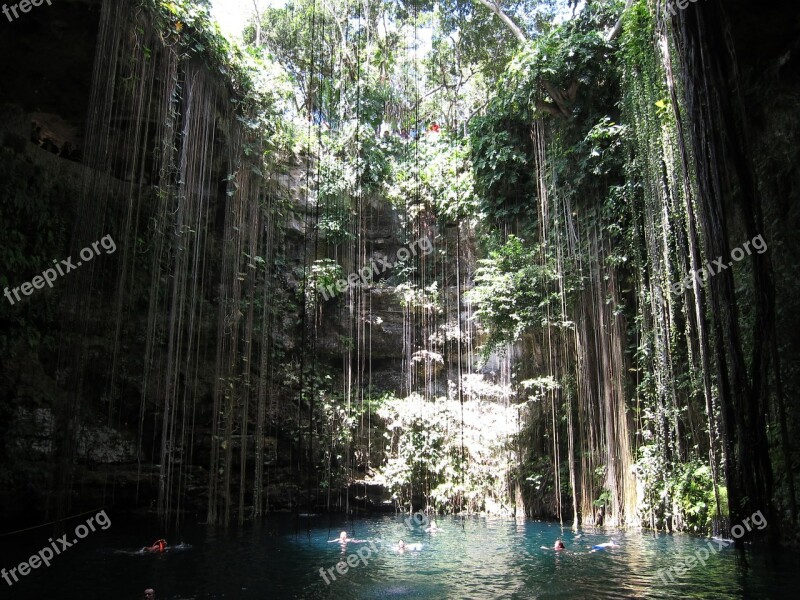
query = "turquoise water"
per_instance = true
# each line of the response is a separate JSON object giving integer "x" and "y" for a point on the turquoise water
{"x": 473, "y": 558}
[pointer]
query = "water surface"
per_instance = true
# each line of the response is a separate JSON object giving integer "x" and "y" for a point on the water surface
{"x": 474, "y": 558}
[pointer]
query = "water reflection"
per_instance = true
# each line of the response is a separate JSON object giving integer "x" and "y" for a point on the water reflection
{"x": 475, "y": 557}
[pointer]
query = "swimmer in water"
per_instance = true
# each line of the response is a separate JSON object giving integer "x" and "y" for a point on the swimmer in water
{"x": 433, "y": 528}
{"x": 344, "y": 540}
{"x": 559, "y": 545}
{"x": 158, "y": 546}
{"x": 403, "y": 547}
{"x": 604, "y": 545}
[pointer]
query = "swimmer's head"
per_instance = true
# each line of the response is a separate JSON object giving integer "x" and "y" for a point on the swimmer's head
{"x": 343, "y": 535}
{"x": 149, "y": 594}
{"x": 401, "y": 544}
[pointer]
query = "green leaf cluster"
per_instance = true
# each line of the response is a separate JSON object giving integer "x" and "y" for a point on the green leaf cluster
{"x": 516, "y": 288}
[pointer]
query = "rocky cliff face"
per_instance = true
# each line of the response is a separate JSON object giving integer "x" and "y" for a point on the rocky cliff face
{"x": 115, "y": 418}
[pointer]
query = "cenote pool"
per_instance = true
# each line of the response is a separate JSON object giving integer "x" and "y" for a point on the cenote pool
{"x": 474, "y": 558}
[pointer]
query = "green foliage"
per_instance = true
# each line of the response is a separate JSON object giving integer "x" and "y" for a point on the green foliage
{"x": 414, "y": 297}
{"x": 516, "y": 288}
{"x": 539, "y": 387}
{"x": 481, "y": 38}
{"x": 335, "y": 55}
{"x": 334, "y": 190}
{"x": 437, "y": 173}
{"x": 568, "y": 79}
{"x": 424, "y": 453}
{"x": 324, "y": 274}
{"x": 680, "y": 492}
{"x": 501, "y": 155}
{"x": 34, "y": 217}
{"x": 604, "y": 499}
{"x": 259, "y": 89}
{"x": 601, "y": 152}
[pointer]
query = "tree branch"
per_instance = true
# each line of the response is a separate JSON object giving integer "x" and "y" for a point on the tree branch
{"x": 559, "y": 100}
{"x": 495, "y": 8}
{"x": 559, "y": 107}
{"x": 258, "y": 23}
{"x": 618, "y": 27}
{"x": 550, "y": 107}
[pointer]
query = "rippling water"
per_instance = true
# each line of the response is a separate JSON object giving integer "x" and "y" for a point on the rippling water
{"x": 473, "y": 558}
